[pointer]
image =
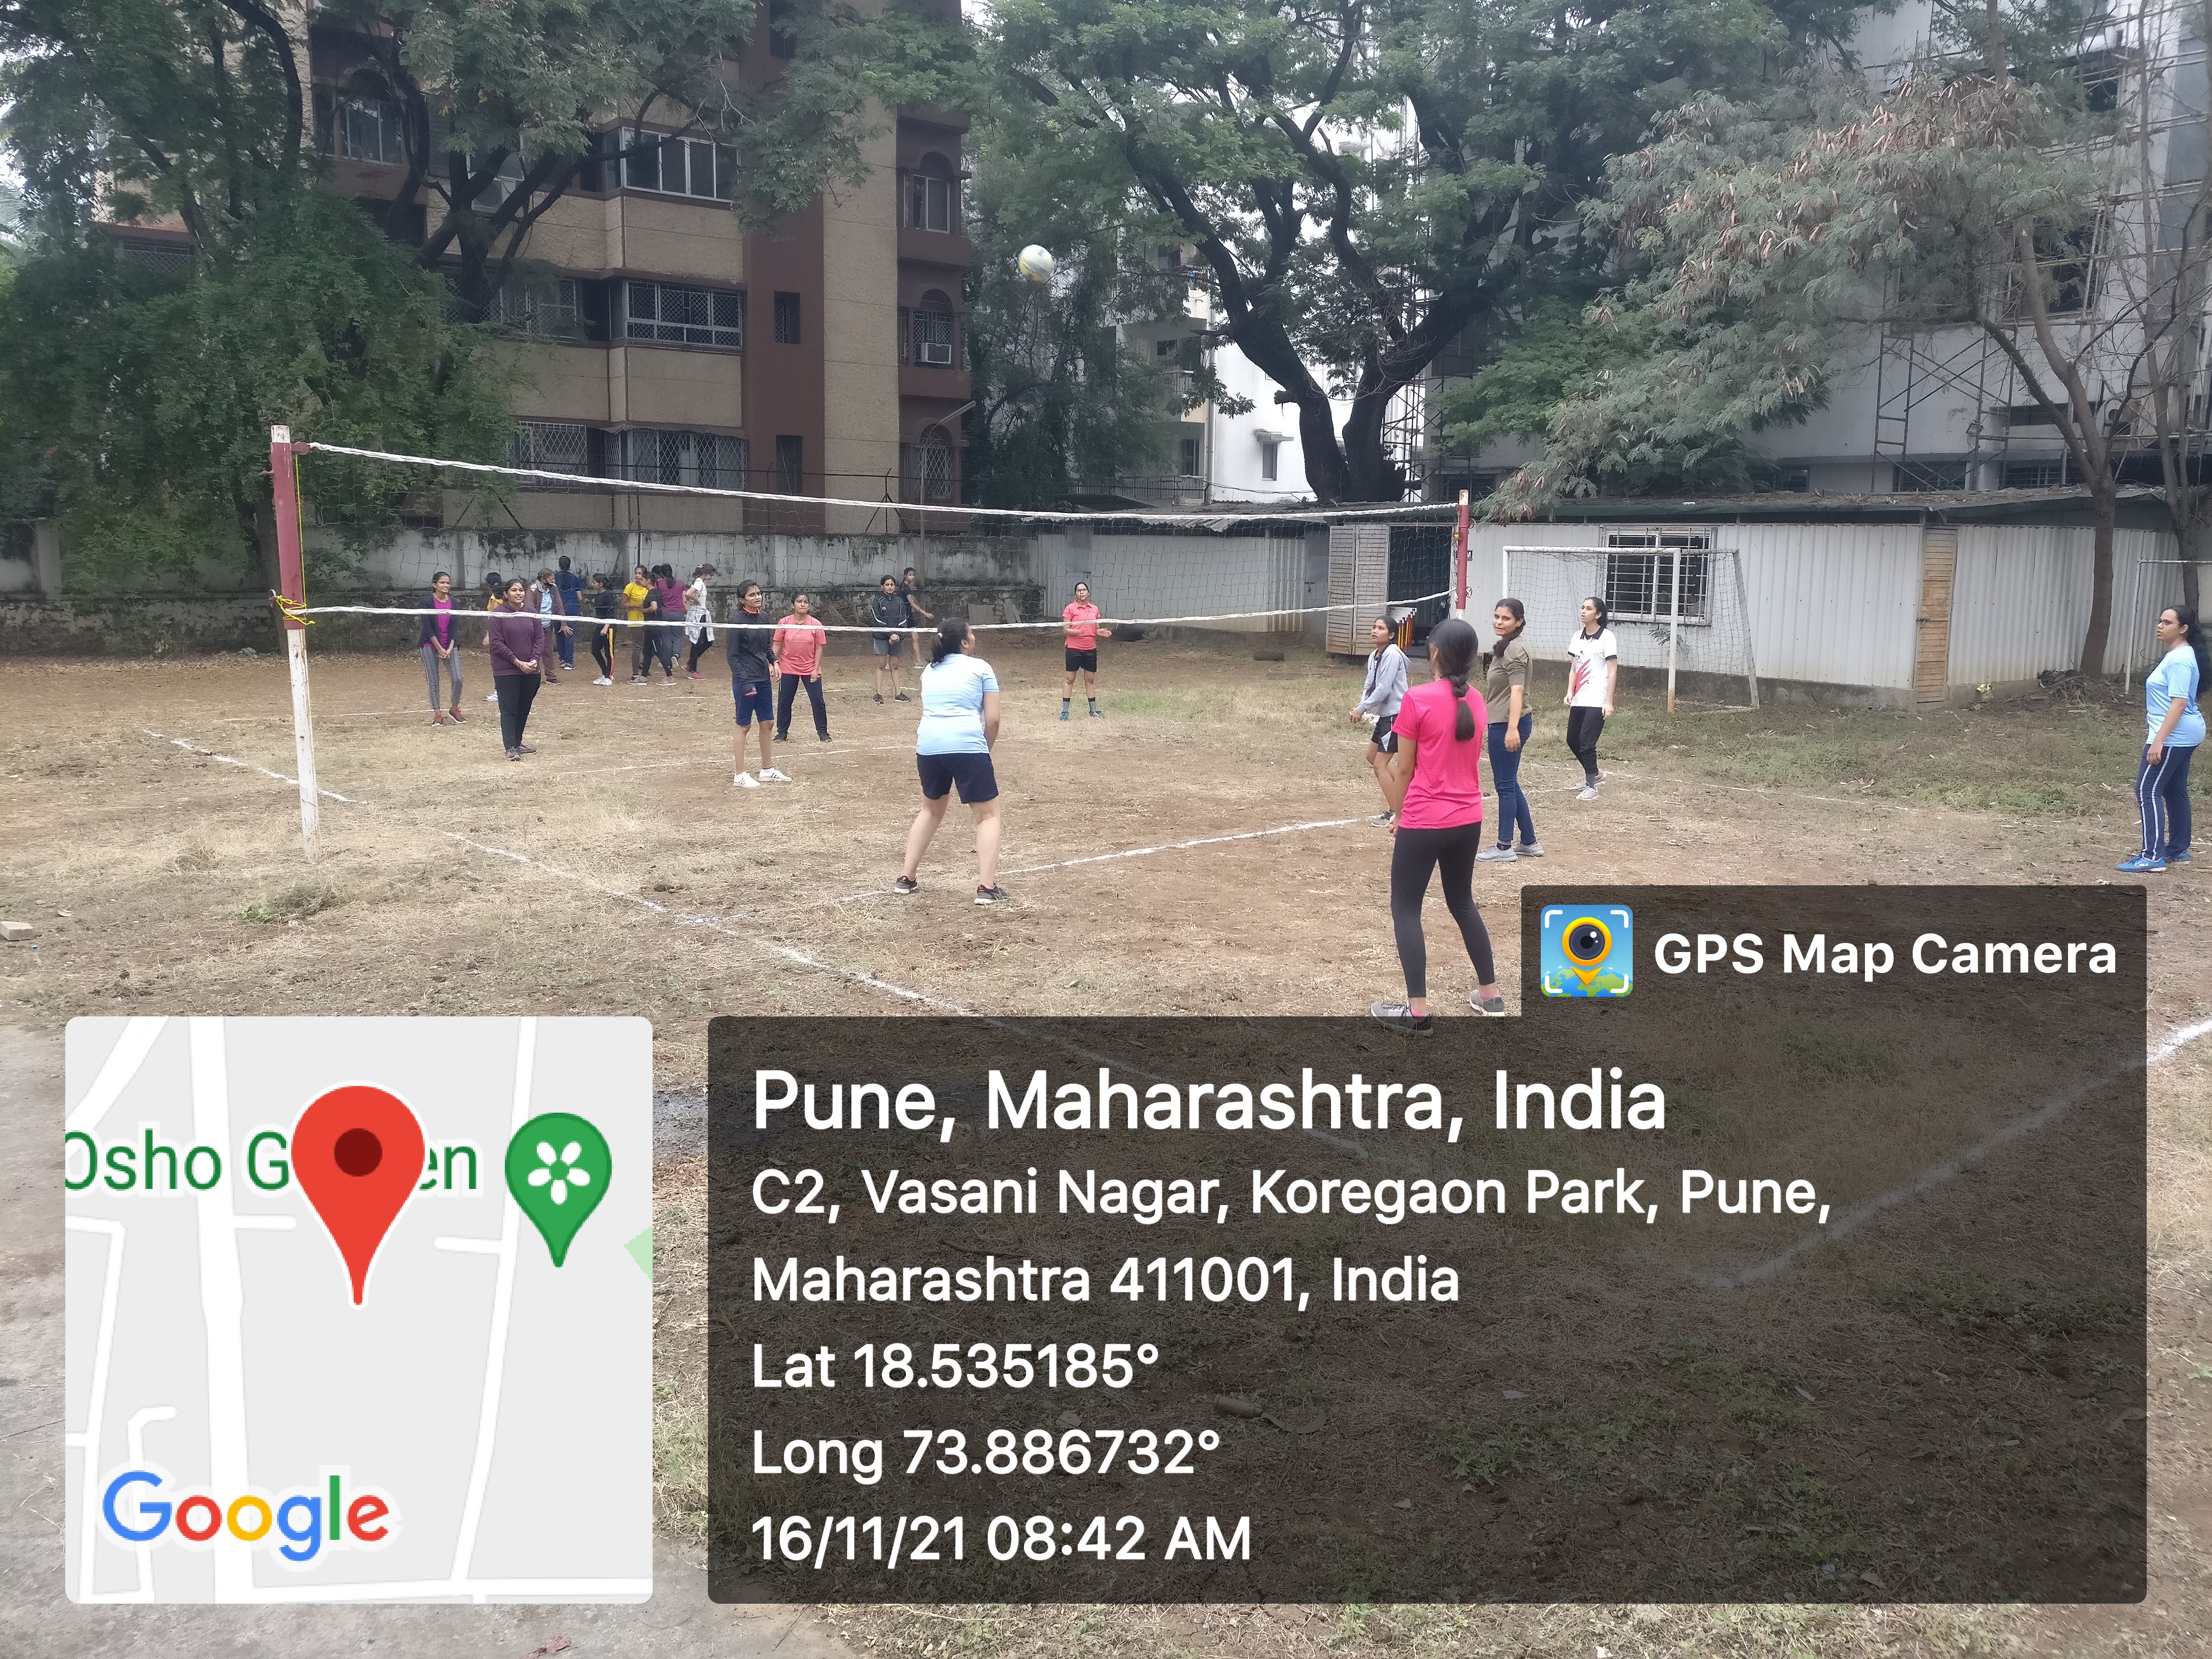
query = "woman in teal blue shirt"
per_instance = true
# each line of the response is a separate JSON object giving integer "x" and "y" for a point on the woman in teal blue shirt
{"x": 2175, "y": 728}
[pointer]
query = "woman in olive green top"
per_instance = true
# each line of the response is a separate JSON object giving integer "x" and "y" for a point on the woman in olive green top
{"x": 1506, "y": 695}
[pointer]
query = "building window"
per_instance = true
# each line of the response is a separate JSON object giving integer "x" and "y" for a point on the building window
{"x": 551, "y": 446}
{"x": 2036, "y": 475}
{"x": 368, "y": 130}
{"x": 684, "y": 316}
{"x": 1639, "y": 586}
{"x": 787, "y": 319}
{"x": 1188, "y": 459}
{"x": 790, "y": 466}
{"x": 782, "y": 38}
{"x": 672, "y": 165}
{"x": 931, "y": 200}
{"x": 545, "y": 305}
{"x": 933, "y": 333}
{"x": 1167, "y": 348}
{"x": 1796, "y": 480}
{"x": 707, "y": 458}
{"x": 929, "y": 472}
{"x": 1270, "y": 451}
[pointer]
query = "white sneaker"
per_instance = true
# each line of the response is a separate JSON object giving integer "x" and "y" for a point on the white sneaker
{"x": 493, "y": 697}
{"x": 769, "y": 775}
{"x": 1494, "y": 855}
{"x": 602, "y": 680}
{"x": 746, "y": 780}
{"x": 1587, "y": 791}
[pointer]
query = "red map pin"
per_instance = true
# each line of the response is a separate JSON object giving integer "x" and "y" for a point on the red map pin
{"x": 358, "y": 1152}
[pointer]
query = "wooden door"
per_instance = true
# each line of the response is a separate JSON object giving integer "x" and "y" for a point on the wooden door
{"x": 1931, "y": 656}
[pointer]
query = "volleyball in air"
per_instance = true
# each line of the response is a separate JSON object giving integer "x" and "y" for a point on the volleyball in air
{"x": 1035, "y": 263}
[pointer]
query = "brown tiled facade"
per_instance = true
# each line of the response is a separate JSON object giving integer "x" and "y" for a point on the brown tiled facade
{"x": 660, "y": 342}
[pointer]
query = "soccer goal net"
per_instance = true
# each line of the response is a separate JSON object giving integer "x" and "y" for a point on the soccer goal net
{"x": 1676, "y": 605}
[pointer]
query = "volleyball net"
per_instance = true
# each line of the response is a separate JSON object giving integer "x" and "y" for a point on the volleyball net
{"x": 1233, "y": 567}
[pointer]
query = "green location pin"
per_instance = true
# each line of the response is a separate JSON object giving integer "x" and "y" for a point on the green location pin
{"x": 557, "y": 1168}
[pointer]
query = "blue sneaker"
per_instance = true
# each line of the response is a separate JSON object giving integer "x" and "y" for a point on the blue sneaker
{"x": 2177, "y": 858}
{"x": 2140, "y": 866}
{"x": 1063, "y": 711}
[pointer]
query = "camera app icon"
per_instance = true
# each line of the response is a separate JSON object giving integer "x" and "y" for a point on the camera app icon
{"x": 1588, "y": 950}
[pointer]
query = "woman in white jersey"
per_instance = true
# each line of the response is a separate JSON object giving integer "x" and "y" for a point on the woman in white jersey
{"x": 1593, "y": 666}
{"x": 2175, "y": 727}
{"x": 952, "y": 749}
{"x": 1380, "y": 697}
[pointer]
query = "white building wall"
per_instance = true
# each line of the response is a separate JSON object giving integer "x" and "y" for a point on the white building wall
{"x": 1237, "y": 446}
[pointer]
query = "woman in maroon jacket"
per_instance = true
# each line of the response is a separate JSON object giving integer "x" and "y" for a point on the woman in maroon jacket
{"x": 516, "y": 640}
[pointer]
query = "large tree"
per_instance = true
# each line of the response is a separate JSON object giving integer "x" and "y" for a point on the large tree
{"x": 1766, "y": 245}
{"x": 1363, "y": 179}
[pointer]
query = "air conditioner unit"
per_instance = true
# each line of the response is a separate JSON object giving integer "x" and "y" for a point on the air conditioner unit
{"x": 937, "y": 351}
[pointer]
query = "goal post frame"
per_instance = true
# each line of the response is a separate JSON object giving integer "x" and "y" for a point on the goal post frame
{"x": 1735, "y": 556}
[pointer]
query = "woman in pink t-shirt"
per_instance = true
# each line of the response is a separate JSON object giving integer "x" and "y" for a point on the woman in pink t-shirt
{"x": 1436, "y": 784}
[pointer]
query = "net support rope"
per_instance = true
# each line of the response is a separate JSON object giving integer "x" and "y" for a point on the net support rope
{"x": 577, "y": 480}
{"x": 566, "y": 619}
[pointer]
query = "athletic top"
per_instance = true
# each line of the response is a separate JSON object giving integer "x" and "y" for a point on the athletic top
{"x": 745, "y": 641}
{"x": 1509, "y": 667}
{"x": 888, "y": 611}
{"x": 952, "y": 705}
{"x": 635, "y": 594}
{"x": 1085, "y": 618}
{"x": 800, "y": 639}
{"x": 1386, "y": 683}
{"x": 669, "y": 592}
{"x": 603, "y": 603}
{"x": 2174, "y": 677}
{"x": 438, "y": 629}
{"x": 1587, "y": 657}
{"x": 1446, "y": 787}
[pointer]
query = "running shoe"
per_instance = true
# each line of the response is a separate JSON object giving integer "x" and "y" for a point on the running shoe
{"x": 514, "y": 754}
{"x": 493, "y": 697}
{"x": 1383, "y": 820}
{"x": 880, "y": 696}
{"x": 602, "y": 680}
{"x": 1063, "y": 711}
{"x": 769, "y": 775}
{"x": 990, "y": 895}
{"x": 2140, "y": 866}
{"x": 639, "y": 679}
{"x": 901, "y": 697}
{"x": 1529, "y": 849}
{"x": 1491, "y": 1006}
{"x": 525, "y": 748}
{"x": 2177, "y": 858}
{"x": 1587, "y": 791}
{"x": 690, "y": 673}
{"x": 745, "y": 781}
{"x": 1400, "y": 1018}
{"x": 459, "y": 718}
{"x": 825, "y": 737}
{"x": 1098, "y": 713}
{"x": 437, "y": 719}
{"x": 1495, "y": 855}
{"x": 905, "y": 885}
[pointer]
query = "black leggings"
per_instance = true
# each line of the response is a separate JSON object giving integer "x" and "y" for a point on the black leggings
{"x": 602, "y": 650}
{"x": 516, "y": 693}
{"x": 698, "y": 650}
{"x": 1414, "y": 854}
{"x": 1583, "y": 725}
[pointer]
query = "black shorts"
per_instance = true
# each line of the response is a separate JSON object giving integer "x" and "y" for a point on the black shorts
{"x": 970, "y": 774}
{"x": 1082, "y": 659}
{"x": 1385, "y": 738}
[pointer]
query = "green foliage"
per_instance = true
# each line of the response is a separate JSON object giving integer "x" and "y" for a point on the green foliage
{"x": 135, "y": 405}
{"x": 1362, "y": 180}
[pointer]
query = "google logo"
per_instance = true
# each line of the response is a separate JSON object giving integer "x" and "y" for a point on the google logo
{"x": 302, "y": 1520}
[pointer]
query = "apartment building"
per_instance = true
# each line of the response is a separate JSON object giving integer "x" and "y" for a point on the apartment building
{"x": 661, "y": 344}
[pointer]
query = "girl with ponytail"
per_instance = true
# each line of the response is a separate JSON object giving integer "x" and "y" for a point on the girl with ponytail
{"x": 952, "y": 750}
{"x": 1434, "y": 783}
{"x": 2175, "y": 727}
{"x": 1506, "y": 691}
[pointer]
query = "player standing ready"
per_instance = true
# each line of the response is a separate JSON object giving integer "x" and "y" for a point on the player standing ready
{"x": 952, "y": 749}
{"x": 1380, "y": 699}
{"x": 1506, "y": 691}
{"x": 1079, "y": 623}
{"x": 750, "y": 643}
{"x": 2175, "y": 728}
{"x": 892, "y": 617}
{"x": 1593, "y": 667}
{"x": 798, "y": 641}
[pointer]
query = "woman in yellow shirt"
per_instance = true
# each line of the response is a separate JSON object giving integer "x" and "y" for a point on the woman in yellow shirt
{"x": 638, "y": 597}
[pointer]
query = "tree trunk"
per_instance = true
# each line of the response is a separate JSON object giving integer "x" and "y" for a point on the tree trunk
{"x": 2195, "y": 542}
{"x": 2107, "y": 504}
{"x": 1369, "y": 476}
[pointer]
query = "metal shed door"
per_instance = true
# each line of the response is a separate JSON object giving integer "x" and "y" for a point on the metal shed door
{"x": 1931, "y": 656}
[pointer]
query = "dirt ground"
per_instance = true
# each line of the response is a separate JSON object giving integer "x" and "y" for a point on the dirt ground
{"x": 1201, "y": 849}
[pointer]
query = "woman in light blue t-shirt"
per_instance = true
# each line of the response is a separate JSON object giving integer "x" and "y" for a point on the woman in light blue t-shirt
{"x": 2175, "y": 728}
{"x": 952, "y": 749}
